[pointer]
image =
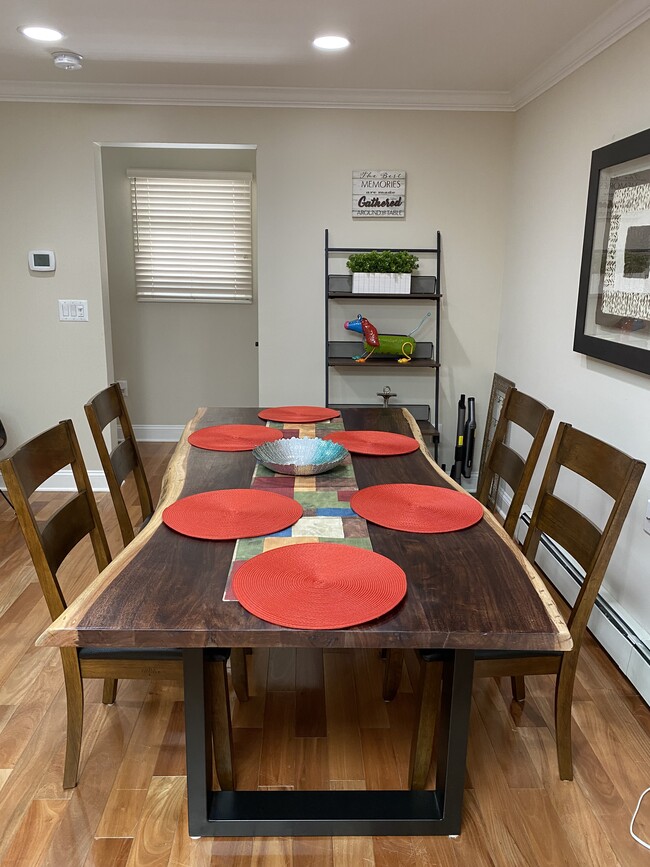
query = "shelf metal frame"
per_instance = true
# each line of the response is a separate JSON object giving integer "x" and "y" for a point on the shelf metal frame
{"x": 435, "y": 297}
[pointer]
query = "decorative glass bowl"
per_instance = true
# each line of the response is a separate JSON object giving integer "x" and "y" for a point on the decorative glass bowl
{"x": 304, "y": 456}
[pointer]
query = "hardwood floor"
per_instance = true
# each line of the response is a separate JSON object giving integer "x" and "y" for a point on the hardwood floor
{"x": 130, "y": 808}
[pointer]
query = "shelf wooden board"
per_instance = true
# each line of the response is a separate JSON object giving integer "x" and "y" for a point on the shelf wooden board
{"x": 413, "y": 296}
{"x": 422, "y": 250}
{"x": 423, "y": 288}
{"x": 381, "y": 362}
{"x": 342, "y": 353}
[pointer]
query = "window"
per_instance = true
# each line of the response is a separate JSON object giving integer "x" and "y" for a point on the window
{"x": 192, "y": 236}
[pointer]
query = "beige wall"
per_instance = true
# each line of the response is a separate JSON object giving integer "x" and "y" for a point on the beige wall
{"x": 604, "y": 101}
{"x": 458, "y": 167}
{"x": 175, "y": 356}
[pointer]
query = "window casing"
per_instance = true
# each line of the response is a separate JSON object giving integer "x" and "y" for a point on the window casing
{"x": 192, "y": 235}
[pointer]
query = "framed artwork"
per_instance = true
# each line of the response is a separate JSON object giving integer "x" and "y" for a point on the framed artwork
{"x": 613, "y": 316}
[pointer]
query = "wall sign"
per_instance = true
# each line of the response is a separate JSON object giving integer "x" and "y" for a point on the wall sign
{"x": 378, "y": 193}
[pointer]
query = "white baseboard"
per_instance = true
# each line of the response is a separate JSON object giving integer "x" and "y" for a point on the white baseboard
{"x": 625, "y": 640}
{"x": 64, "y": 481}
{"x": 158, "y": 433}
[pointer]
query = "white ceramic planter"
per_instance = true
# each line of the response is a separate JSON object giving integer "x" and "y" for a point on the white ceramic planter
{"x": 382, "y": 284}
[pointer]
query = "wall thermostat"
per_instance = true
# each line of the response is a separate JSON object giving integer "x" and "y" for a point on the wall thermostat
{"x": 42, "y": 260}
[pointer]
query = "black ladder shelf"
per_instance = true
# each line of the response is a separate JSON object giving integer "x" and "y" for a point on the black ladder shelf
{"x": 339, "y": 353}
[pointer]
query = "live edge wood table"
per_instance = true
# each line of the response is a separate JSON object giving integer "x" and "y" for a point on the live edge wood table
{"x": 468, "y": 590}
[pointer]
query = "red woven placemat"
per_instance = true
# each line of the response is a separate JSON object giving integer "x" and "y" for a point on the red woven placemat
{"x": 233, "y": 437}
{"x": 319, "y": 586}
{"x": 304, "y": 414}
{"x": 374, "y": 442}
{"x": 417, "y": 508}
{"x": 239, "y": 513}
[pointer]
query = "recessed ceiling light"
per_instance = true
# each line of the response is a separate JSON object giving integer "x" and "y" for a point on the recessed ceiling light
{"x": 41, "y": 34}
{"x": 331, "y": 43}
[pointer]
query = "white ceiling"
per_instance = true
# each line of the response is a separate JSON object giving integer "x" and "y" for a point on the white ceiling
{"x": 485, "y": 54}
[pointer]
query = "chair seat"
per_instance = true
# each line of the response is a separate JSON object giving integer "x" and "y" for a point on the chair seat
{"x": 479, "y": 655}
{"x": 215, "y": 654}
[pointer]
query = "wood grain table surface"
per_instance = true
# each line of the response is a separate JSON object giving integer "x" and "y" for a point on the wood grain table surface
{"x": 470, "y": 589}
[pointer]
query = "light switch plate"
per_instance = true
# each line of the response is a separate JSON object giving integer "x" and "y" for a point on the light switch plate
{"x": 73, "y": 311}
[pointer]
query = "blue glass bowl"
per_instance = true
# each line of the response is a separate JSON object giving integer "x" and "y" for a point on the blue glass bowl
{"x": 304, "y": 456}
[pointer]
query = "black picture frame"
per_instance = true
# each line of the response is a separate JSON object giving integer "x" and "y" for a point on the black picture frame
{"x": 613, "y": 313}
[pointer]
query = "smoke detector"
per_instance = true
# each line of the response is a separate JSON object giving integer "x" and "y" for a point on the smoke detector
{"x": 67, "y": 60}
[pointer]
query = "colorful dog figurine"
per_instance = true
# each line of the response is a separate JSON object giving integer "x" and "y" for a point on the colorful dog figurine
{"x": 398, "y": 346}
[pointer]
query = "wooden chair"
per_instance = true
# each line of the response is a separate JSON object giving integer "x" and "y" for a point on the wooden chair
{"x": 108, "y": 406}
{"x": 503, "y": 462}
{"x": 618, "y": 476}
{"x": 49, "y": 543}
{"x": 101, "y": 410}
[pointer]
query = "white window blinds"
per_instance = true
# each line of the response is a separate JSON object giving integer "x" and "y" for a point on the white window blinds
{"x": 192, "y": 236}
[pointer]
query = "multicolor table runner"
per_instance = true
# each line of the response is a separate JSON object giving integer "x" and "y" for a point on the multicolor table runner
{"x": 325, "y": 498}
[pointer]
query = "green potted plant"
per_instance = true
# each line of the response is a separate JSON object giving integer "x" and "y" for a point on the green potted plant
{"x": 387, "y": 272}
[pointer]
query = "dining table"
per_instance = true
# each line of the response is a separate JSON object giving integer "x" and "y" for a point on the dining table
{"x": 467, "y": 591}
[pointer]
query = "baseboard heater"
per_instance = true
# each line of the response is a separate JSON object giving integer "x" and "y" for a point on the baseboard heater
{"x": 628, "y": 647}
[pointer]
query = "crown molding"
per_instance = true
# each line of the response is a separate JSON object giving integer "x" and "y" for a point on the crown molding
{"x": 254, "y": 97}
{"x": 605, "y": 31}
{"x": 620, "y": 20}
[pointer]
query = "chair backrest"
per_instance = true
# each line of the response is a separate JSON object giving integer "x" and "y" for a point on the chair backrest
{"x": 101, "y": 410}
{"x": 609, "y": 469}
{"x": 50, "y": 542}
{"x": 504, "y": 462}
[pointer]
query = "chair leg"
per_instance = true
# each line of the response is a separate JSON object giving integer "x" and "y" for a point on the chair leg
{"x": 221, "y": 725}
{"x": 423, "y": 739}
{"x": 563, "y": 702}
{"x": 518, "y": 688}
{"x": 392, "y": 674}
{"x": 239, "y": 672}
{"x": 74, "y": 694}
{"x": 110, "y": 690}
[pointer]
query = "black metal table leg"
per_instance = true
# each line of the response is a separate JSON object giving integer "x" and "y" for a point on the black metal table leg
{"x": 453, "y": 731}
{"x": 198, "y": 741}
{"x": 327, "y": 813}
